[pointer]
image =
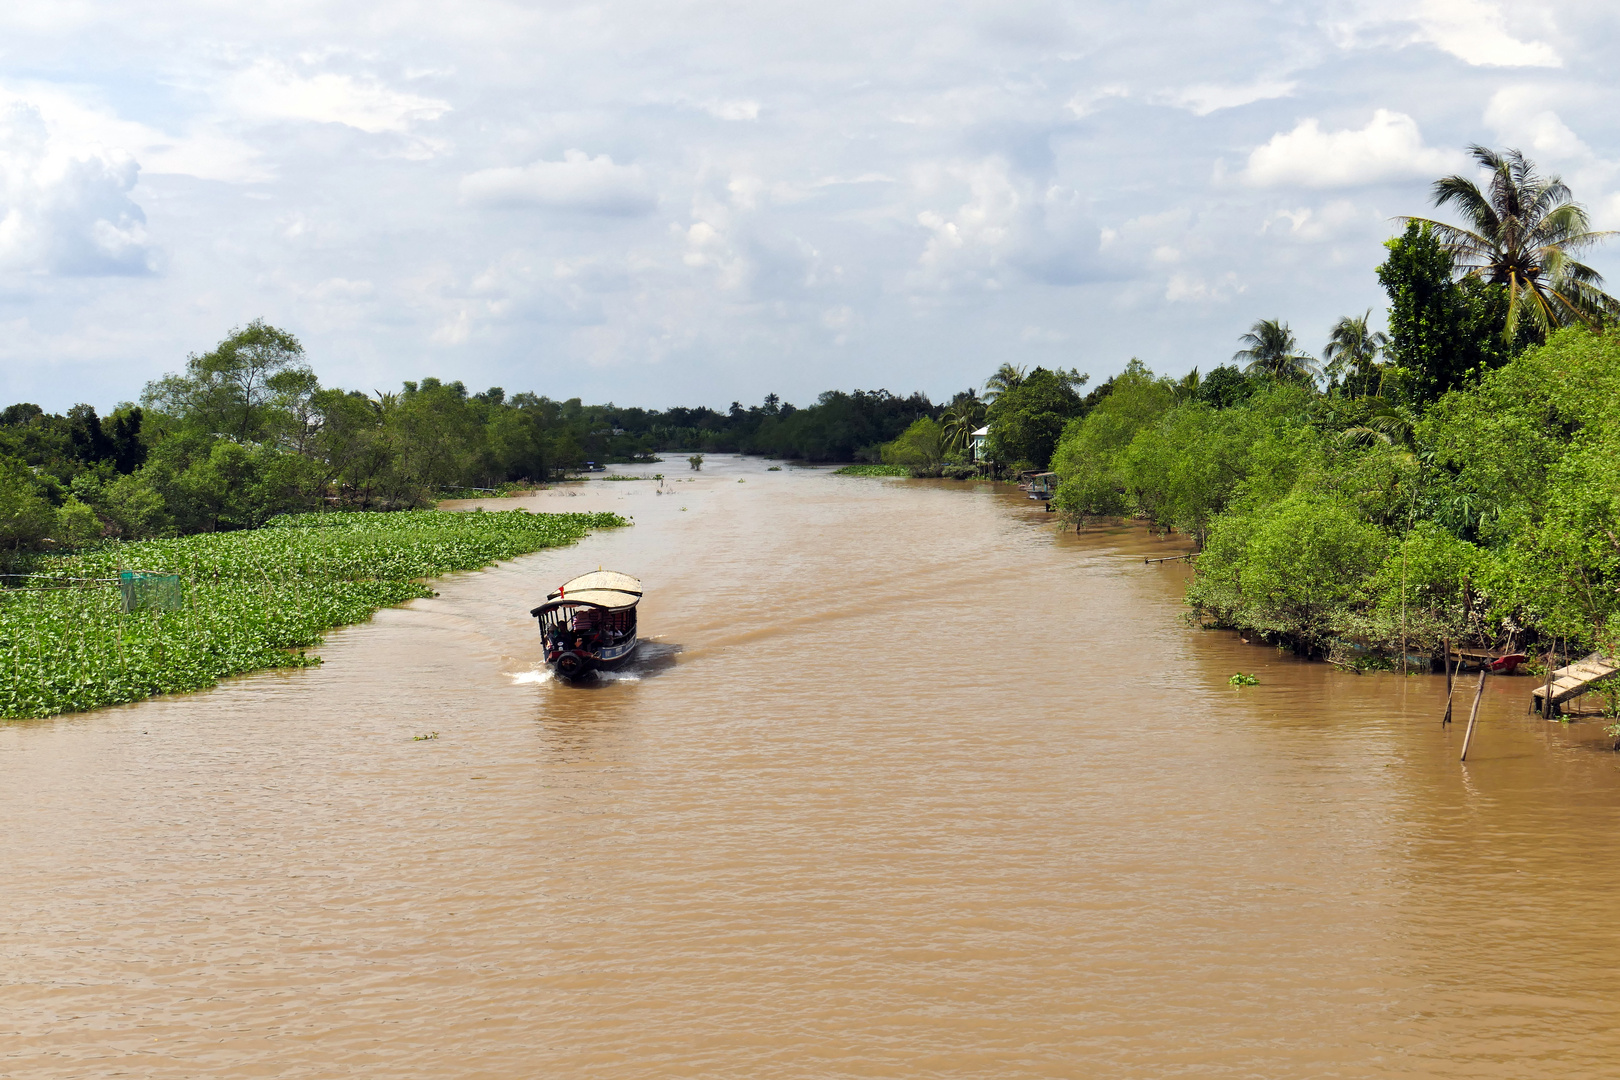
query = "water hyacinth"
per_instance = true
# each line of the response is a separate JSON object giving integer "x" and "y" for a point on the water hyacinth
{"x": 254, "y": 599}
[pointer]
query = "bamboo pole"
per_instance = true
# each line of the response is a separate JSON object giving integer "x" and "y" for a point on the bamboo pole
{"x": 1546, "y": 694}
{"x": 1473, "y": 714}
{"x": 1451, "y": 684}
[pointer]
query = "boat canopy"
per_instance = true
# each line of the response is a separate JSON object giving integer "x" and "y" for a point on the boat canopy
{"x": 607, "y": 589}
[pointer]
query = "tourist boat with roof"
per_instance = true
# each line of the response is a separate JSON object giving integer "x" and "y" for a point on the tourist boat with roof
{"x": 589, "y": 623}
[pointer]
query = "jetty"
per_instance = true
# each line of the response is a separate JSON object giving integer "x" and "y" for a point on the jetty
{"x": 1572, "y": 681}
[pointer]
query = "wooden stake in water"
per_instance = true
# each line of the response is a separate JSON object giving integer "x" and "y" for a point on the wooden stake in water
{"x": 1546, "y": 693}
{"x": 1473, "y": 714}
{"x": 1451, "y": 684}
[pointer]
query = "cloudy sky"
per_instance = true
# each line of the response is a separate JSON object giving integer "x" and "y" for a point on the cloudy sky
{"x": 684, "y": 203}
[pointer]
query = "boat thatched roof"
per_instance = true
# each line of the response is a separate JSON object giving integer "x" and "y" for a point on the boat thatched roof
{"x": 601, "y": 588}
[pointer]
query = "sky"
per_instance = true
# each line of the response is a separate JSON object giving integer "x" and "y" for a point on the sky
{"x": 680, "y": 203}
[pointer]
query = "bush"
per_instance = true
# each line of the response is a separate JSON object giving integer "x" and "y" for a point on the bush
{"x": 1291, "y": 570}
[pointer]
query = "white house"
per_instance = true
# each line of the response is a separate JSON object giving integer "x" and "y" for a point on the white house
{"x": 976, "y": 442}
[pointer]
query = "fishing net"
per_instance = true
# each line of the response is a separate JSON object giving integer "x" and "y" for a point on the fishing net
{"x": 151, "y": 592}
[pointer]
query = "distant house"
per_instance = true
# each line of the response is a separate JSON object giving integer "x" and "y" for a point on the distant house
{"x": 976, "y": 443}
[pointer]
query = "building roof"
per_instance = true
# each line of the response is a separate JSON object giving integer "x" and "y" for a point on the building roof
{"x": 982, "y": 431}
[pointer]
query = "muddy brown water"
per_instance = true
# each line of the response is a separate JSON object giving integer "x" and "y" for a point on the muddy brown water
{"x": 907, "y": 784}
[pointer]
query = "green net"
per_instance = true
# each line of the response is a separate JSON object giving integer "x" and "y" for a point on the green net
{"x": 151, "y": 592}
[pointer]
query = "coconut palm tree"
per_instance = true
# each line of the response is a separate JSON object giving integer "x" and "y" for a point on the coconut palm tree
{"x": 1005, "y": 378}
{"x": 1388, "y": 424}
{"x": 1272, "y": 350}
{"x": 1523, "y": 233}
{"x": 961, "y": 419}
{"x": 1352, "y": 351}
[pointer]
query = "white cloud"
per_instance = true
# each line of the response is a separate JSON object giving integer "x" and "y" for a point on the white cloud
{"x": 1338, "y": 218}
{"x": 1390, "y": 147}
{"x": 1087, "y": 102}
{"x": 268, "y": 90}
{"x": 1476, "y": 31}
{"x": 1191, "y": 288}
{"x": 1205, "y": 98}
{"x": 66, "y": 209}
{"x": 735, "y": 110}
{"x": 1010, "y": 222}
{"x": 1519, "y": 114}
{"x": 577, "y": 182}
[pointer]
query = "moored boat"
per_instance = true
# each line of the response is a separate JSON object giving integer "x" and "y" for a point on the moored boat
{"x": 589, "y": 623}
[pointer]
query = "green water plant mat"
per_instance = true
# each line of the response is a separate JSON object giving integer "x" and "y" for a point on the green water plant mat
{"x": 247, "y": 600}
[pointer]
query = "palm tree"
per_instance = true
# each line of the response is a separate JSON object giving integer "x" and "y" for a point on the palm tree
{"x": 1187, "y": 388}
{"x": 1387, "y": 423}
{"x": 1523, "y": 234}
{"x": 1353, "y": 350}
{"x": 1273, "y": 351}
{"x": 1006, "y": 378}
{"x": 961, "y": 419}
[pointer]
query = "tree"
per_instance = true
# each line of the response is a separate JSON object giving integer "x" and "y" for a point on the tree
{"x": 961, "y": 419}
{"x": 1224, "y": 387}
{"x": 1523, "y": 235}
{"x": 1006, "y": 378}
{"x": 1270, "y": 349}
{"x": 1440, "y": 331}
{"x": 1027, "y": 420}
{"x": 228, "y": 392}
{"x": 920, "y": 448}
{"x": 1352, "y": 353}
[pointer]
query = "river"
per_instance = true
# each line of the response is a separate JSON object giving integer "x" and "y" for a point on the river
{"x": 907, "y": 783}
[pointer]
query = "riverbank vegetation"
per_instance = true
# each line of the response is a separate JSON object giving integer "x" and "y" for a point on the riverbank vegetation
{"x": 249, "y": 600}
{"x": 247, "y": 431}
{"x": 1453, "y": 480}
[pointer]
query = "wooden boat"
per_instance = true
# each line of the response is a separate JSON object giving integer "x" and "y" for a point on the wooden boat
{"x": 589, "y": 623}
{"x": 1497, "y": 661}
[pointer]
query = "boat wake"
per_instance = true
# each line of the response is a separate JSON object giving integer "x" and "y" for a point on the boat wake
{"x": 529, "y": 678}
{"x": 544, "y": 675}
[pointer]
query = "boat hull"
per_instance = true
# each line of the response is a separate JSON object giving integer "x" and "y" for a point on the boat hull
{"x": 571, "y": 665}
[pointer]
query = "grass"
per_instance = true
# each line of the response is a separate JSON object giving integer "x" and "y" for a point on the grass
{"x": 872, "y": 470}
{"x": 254, "y": 599}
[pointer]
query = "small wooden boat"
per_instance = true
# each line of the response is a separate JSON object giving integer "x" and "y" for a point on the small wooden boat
{"x": 1497, "y": 661}
{"x": 589, "y": 623}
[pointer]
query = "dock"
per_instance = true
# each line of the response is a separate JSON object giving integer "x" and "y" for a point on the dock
{"x": 1573, "y": 681}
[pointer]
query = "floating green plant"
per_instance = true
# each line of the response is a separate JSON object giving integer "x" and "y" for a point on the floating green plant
{"x": 252, "y": 600}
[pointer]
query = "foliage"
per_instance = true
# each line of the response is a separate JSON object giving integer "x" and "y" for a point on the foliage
{"x": 1522, "y": 236}
{"x": 1027, "y": 419}
{"x": 1441, "y": 333}
{"x": 1289, "y": 569}
{"x": 1087, "y": 460}
{"x": 1352, "y": 355}
{"x": 253, "y": 596}
{"x": 1243, "y": 679}
{"x": 920, "y": 449}
{"x": 1269, "y": 349}
{"x": 872, "y": 470}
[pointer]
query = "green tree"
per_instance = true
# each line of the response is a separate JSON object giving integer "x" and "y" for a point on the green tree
{"x": 1087, "y": 460}
{"x": 26, "y": 517}
{"x": 920, "y": 448}
{"x": 1006, "y": 378}
{"x": 961, "y": 419}
{"x": 1441, "y": 332}
{"x": 1352, "y": 354}
{"x": 230, "y": 391}
{"x": 1270, "y": 349}
{"x": 1522, "y": 235}
{"x": 1027, "y": 420}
